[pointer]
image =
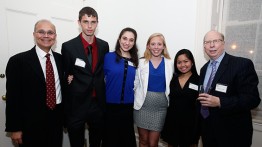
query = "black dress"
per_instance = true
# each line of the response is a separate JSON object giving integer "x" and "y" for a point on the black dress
{"x": 180, "y": 123}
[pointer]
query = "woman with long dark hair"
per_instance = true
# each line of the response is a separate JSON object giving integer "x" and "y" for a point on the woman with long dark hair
{"x": 120, "y": 68}
{"x": 179, "y": 129}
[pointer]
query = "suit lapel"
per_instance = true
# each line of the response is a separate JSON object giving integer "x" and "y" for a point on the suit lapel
{"x": 221, "y": 69}
{"x": 58, "y": 65}
{"x": 80, "y": 49}
{"x": 100, "y": 53}
{"x": 203, "y": 74}
{"x": 81, "y": 53}
{"x": 35, "y": 64}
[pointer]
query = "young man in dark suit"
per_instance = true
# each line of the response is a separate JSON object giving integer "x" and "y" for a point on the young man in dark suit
{"x": 33, "y": 117}
{"x": 230, "y": 97}
{"x": 83, "y": 59}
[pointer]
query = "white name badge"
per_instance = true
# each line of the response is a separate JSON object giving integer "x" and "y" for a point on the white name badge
{"x": 130, "y": 63}
{"x": 80, "y": 62}
{"x": 193, "y": 86}
{"x": 221, "y": 88}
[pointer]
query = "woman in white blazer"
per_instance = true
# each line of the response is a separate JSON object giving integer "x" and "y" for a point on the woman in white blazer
{"x": 151, "y": 86}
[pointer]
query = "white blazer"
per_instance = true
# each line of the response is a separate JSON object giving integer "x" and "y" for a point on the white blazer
{"x": 141, "y": 81}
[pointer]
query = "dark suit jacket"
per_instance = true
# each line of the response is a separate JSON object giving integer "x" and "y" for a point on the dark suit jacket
{"x": 26, "y": 92}
{"x": 232, "y": 122}
{"x": 76, "y": 63}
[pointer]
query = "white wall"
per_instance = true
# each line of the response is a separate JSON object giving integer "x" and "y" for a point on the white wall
{"x": 183, "y": 23}
{"x": 174, "y": 19}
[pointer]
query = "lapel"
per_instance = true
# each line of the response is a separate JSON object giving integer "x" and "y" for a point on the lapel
{"x": 221, "y": 69}
{"x": 143, "y": 73}
{"x": 145, "y": 67}
{"x": 168, "y": 71}
{"x": 58, "y": 64}
{"x": 203, "y": 73}
{"x": 100, "y": 53}
{"x": 80, "y": 49}
{"x": 81, "y": 52}
{"x": 34, "y": 62}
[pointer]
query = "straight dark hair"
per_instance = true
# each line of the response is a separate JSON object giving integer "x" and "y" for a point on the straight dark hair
{"x": 190, "y": 56}
{"x": 89, "y": 11}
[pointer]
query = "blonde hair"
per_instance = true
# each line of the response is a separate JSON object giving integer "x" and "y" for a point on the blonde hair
{"x": 148, "y": 54}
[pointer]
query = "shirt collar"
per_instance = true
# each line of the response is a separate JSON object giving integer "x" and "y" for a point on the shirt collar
{"x": 41, "y": 53}
{"x": 219, "y": 59}
{"x": 85, "y": 43}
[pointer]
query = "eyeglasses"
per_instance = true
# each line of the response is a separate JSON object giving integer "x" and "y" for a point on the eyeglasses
{"x": 216, "y": 41}
{"x": 43, "y": 33}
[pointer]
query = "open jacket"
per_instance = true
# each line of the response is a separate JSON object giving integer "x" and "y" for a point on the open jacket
{"x": 141, "y": 81}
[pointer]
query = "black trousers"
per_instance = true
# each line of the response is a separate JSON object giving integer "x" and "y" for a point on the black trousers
{"x": 119, "y": 126}
{"x": 237, "y": 135}
{"x": 90, "y": 113}
{"x": 48, "y": 135}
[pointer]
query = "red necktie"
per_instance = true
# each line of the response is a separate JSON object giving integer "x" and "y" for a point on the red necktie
{"x": 50, "y": 84}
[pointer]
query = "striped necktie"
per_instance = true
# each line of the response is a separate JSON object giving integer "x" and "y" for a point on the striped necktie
{"x": 204, "y": 110}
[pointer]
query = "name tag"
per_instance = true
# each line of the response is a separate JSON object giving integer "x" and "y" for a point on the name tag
{"x": 130, "y": 63}
{"x": 221, "y": 88}
{"x": 193, "y": 86}
{"x": 80, "y": 62}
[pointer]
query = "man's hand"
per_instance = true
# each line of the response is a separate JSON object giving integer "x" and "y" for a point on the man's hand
{"x": 209, "y": 100}
{"x": 17, "y": 137}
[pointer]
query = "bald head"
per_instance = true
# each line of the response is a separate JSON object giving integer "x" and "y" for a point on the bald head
{"x": 214, "y": 32}
{"x": 214, "y": 44}
{"x": 44, "y": 34}
{"x": 44, "y": 21}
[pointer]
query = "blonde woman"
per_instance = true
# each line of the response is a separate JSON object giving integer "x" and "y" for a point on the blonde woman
{"x": 151, "y": 90}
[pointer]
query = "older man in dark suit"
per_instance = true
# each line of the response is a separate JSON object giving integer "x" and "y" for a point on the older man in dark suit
{"x": 83, "y": 59}
{"x": 34, "y": 83}
{"x": 231, "y": 92}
